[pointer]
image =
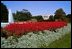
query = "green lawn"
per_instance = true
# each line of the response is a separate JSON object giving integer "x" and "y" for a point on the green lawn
{"x": 64, "y": 42}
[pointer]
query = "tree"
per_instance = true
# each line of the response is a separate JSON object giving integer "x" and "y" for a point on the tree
{"x": 51, "y": 18}
{"x": 68, "y": 17}
{"x": 59, "y": 14}
{"x": 23, "y": 15}
{"x": 39, "y": 18}
{"x": 4, "y": 13}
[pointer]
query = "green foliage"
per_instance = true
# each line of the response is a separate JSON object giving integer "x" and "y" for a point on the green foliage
{"x": 4, "y": 13}
{"x": 23, "y": 15}
{"x": 68, "y": 17}
{"x": 39, "y": 18}
{"x": 51, "y": 18}
{"x": 59, "y": 14}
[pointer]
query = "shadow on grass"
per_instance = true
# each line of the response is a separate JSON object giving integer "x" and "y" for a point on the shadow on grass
{"x": 64, "y": 42}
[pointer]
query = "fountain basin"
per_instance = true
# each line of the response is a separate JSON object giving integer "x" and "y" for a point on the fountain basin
{"x": 4, "y": 24}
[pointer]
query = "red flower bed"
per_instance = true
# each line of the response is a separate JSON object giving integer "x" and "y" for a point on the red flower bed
{"x": 21, "y": 28}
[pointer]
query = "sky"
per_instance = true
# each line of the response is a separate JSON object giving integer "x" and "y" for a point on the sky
{"x": 39, "y": 7}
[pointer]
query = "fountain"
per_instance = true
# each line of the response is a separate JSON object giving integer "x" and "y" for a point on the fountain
{"x": 10, "y": 19}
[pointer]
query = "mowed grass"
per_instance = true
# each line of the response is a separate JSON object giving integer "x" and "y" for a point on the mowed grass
{"x": 64, "y": 42}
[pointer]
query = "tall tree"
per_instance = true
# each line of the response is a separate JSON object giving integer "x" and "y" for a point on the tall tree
{"x": 4, "y": 13}
{"x": 22, "y": 15}
{"x": 59, "y": 14}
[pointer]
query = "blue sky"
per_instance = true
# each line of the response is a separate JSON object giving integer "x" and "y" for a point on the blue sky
{"x": 39, "y": 7}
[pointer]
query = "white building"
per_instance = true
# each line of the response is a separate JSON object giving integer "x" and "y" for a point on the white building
{"x": 45, "y": 17}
